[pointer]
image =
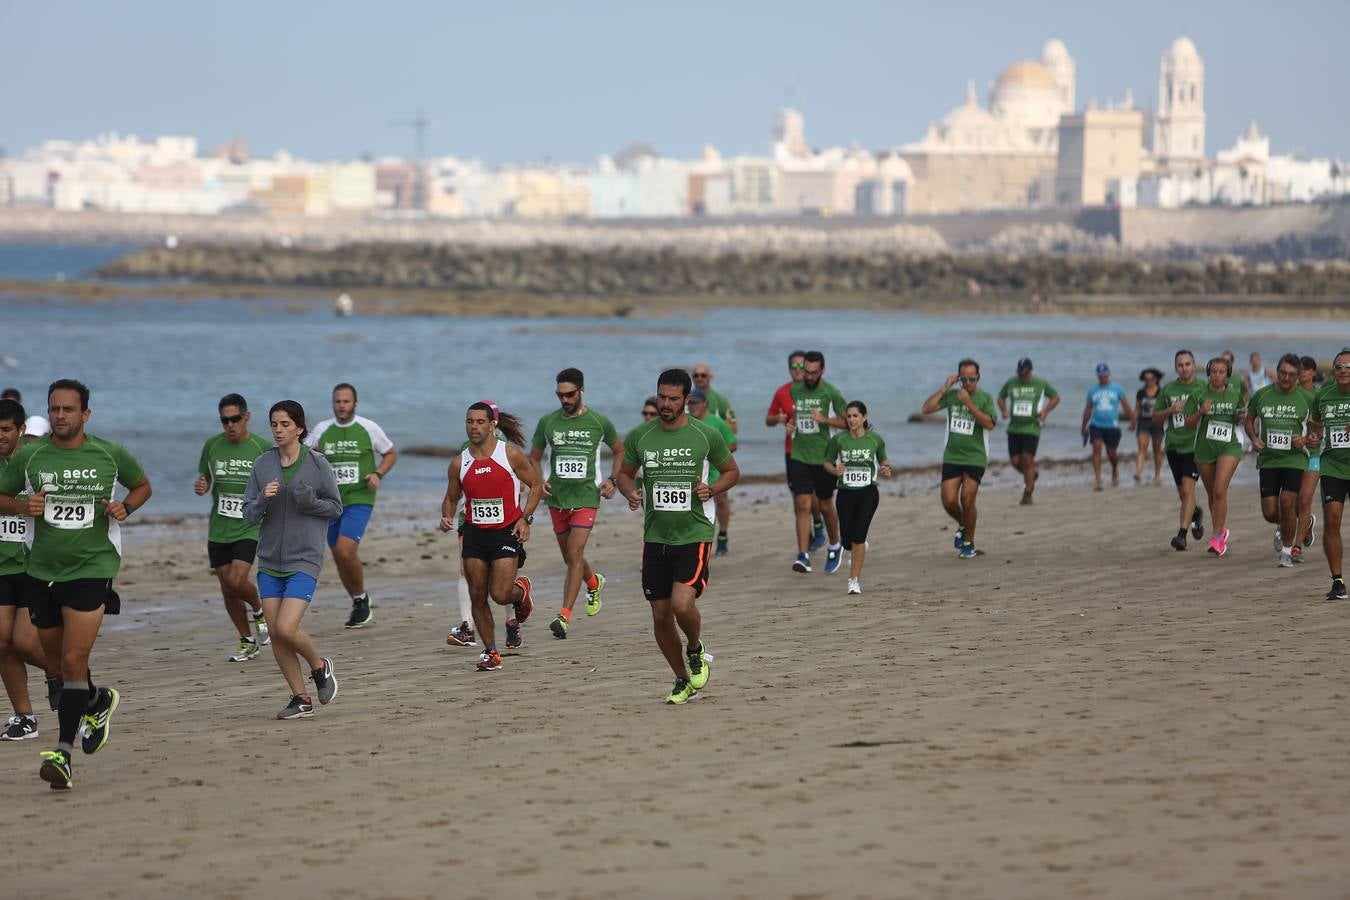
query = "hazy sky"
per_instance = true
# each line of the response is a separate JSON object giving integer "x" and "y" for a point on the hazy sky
{"x": 509, "y": 81}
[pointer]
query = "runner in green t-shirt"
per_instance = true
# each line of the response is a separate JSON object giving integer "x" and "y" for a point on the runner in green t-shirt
{"x": 857, "y": 457}
{"x": 1307, "y": 487}
{"x": 232, "y": 543}
{"x": 18, "y": 637}
{"x": 700, "y": 407}
{"x": 1026, "y": 400}
{"x": 71, "y": 478}
{"x": 1331, "y": 421}
{"x": 1277, "y": 417}
{"x": 361, "y": 455}
{"x": 676, "y": 453}
{"x": 718, "y": 405}
{"x": 817, "y": 406}
{"x": 1216, "y": 414}
{"x": 1170, "y": 408}
{"x": 573, "y": 435}
{"x": 970, "y": 418}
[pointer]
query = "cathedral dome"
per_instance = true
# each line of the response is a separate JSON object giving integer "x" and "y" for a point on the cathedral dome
{"x": 1026, "y": 73}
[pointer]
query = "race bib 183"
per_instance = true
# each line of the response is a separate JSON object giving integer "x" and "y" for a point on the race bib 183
{"x": 230, "y": 506}
{"x": 672, "y": 497}
{"x": 69, "y": 513}
{"x": 347, "y": 473}
{"x": 488, "y": 511}
{"x": 807, "y": 425}
{"x": 570, "y": 467}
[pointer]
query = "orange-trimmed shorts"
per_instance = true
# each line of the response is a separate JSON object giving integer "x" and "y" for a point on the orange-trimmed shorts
{"x": 563, "y": 519}
{"x": 665, "y": 564}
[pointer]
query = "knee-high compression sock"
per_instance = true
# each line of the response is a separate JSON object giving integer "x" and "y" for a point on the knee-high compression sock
{"x": 74, "y": 700}
{"x": 465, "y": 605}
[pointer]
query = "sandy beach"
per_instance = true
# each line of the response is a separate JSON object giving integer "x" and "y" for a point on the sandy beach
{"x": 1079, "y": 712}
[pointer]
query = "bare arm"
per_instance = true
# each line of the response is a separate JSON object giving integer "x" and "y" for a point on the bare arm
{"x": 611, "y": 484}
{"x": 134, "y": 500}
{"x": 627, "y": 479}
{"x": 932, "y": 404}
{"x": 528, "y": 473}
{"x": 452, "y": 492}
{"x": 728, "y": 473}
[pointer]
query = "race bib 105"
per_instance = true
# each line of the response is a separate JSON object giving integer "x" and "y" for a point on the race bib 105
{"x": 13, "y": 529}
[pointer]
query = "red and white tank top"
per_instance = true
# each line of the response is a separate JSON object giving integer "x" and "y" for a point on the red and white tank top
{"x": 491, "y": 489}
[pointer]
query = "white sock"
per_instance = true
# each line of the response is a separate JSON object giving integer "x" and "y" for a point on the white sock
{"x": 836, "y": 548}
{"x": 1287, "y": 551}
{"x": 465, "y": 606}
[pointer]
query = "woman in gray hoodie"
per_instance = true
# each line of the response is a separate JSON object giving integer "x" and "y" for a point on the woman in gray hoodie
{"x": 293, "y": 493}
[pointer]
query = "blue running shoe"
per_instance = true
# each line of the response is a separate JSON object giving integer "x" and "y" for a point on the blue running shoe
{"x": 959, "y": 539}
{"x": 967, "y": 551}
{"x": 818, "y": 536}
{"x": 832, "y": 560}
{"x": 803, "y": 563}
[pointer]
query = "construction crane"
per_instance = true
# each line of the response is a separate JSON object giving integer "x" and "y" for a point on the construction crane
{"x": 420, "y": 125}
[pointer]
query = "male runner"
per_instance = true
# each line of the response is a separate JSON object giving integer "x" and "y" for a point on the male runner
{"x": 76, "y": 552}
{"x": 1258, "y": 376}
{"x": 1331, "y": 420}
{"x": 970, "y": 418}
{"x": 676, "y": 453}
{"x": 1307, "y": 488}
{"x": 1281, "y": 409}
{"x": 573, "y": 435}
{"x": 717, "y": 403}
{"x": 817, "y": 407}
{"x": 1032, "y": 399}
{"x": 699, "y": 408}
{"x": 352, "y": 444}
{"x": 781, "y": 414}
{"x": 19, "y": 644}
{"x": 1180, "y": 443}
{"x": 489, "y": 474}
{"x": 1101, "y": 423}
{"x": 36, "y": 426}
{"x": 231, "y": 543}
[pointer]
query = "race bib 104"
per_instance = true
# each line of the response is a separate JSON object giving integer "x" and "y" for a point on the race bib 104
{"x": 69, "y": 514}
{"x": 1222, "y": 432}
{"x": 488, "y": 511}
{"x": 856, "y": 477}
{"x": 1280, "y": 440}
{"x": 1022, "y": 408}
{"x": 570, "y": 467}
{"x": 962, "y": 425}
{"x": 230, "y": 506}
{"x": 347, "y": 473}
{"x": 672, "y": 497}
{"x": 13, "y": 529}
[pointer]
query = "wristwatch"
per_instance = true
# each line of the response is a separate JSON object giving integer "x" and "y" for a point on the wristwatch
{"x": 529, "y": 520}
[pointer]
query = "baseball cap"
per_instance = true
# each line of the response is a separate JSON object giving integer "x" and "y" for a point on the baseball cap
{"x": 1023, "y": 365}
{"x": 1103, "y": 369}
{"x": 697, "y": 396}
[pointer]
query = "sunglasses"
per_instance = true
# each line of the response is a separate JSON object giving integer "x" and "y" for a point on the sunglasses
{"x": 1341, "y": 367}
{"x": 702, "y": 374}
{"x": 797, "y": 365}
{"x": 231, "y": 420}
{"x": 567, "y": 395}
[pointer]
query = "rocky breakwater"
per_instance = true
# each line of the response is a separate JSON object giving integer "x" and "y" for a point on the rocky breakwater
{"x": 559, "y": 270}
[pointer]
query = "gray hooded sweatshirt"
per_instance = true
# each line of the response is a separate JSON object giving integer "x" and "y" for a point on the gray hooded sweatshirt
{"x": 295, "y": 522}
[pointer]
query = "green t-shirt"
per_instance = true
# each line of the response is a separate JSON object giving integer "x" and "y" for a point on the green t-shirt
{"x": 352, "y": 450}
{"x": 728, "y": 435}
{"x": 1216, "y": 432}
{"x": 811, "y": 437}
{"x": 228, "y": 466}
{"x": 574, "y": 456}
{"x": 860, "y": 456}
{"x": 1311, "y": 397}
{"x": 1332, "y": 409}
{"x": 13, "y": 538}
{"x": 288, "y": 472}
{"x": 719, "y": 405}
{"x": 74, "y": 538}
{"x": 967, "y": 443}
{"x": 1025, "y": 400}
{"x": 673, "y": 462}
{"x": 1282, "y": 419}
{"x": 1179, "y": 437}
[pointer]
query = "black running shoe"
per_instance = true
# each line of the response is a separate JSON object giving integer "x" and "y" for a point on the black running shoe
{"x": 298, "y": 708}
{"x": 513, "y": 640}
{"x": 1179, "y": 542}
{"x": 361, "y": 615}
{"x": 20, "y": 728}
{"x": 1197, "y": 524}
{"x": 98, "y": 720}
{"x": 1337, "y": 591}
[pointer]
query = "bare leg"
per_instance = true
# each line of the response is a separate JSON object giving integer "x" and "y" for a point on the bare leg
{"x": 289, "y": 639}
{"x": 1097, "y": 463}
{"x": 349, "y": 566}
{"x": 969, "y": 488}
{"x": 12, "y": 669}
{"x": 1331, "y": 535}
{"x": 476, "y": 574}
{"x": 951, "y": 499}
{"x": 1224, "y": 468}
{"x": 856, "y": 556}
{"x": 802, "y": 504}
{"x": 572, "y": 543}
{"x": 831, "y": 517}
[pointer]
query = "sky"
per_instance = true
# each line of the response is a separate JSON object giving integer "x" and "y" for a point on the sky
{"x": 511, "y": 82}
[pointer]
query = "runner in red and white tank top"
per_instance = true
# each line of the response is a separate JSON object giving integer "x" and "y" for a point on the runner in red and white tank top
{"x": 491, "y": 489}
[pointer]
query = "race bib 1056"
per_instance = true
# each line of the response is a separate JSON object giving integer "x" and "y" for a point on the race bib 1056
{"x": 857, "y": 477}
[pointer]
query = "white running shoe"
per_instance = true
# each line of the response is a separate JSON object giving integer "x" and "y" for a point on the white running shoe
{"x": 1286, "y": 559}
{"x": 854, "y": 587}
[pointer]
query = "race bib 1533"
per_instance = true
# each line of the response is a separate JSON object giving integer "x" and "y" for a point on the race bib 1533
{"x": 488, "y": 511}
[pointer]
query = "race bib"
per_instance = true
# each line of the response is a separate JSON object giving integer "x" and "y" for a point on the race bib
{"x": 1339, "y": 438}
{"x": 1279, "y": 440}
{"x": 570, "y": 467}
{"x": 1022, "y": 408}
{"x": 1178, "y": 420}
{"x": 13, "y": 529}
{"x": 672, "y": 497}
{"x": 347, "y": 473}
{"x": 68, "y": 514}
{"x": 857, "y": 477}
{"x": 807, "y": 425}
{"x": 230, "y": 506}
{"x": 491, "y": 511}
{"x": 1219, "y": 431}
{"x": 962, "y": 426}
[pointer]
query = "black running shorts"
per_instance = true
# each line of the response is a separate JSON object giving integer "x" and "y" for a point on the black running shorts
{"x": 220, "y": 554}
{"x": 1275, "y": 480}
{"x": 490, "y": 543}
{"x": 16, "y": 589}
{"x": 1182, "y": 466}
{"x": 1334, "y": 489}
{"x": 953, "y": 470}
{"x": 1108, "y": 436}
{"x": 665, "y": 564}
{"x": 1020, "y": 444}
{"x": 82, "y": 595}
{"x": 808, "y": 478}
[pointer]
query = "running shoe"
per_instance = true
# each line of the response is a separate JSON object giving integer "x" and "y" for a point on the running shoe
{"x": 20, "y": 728}
{"x": 1179, "y": 542}
{"x": 1286, "y": 560}
{"x": 968, "y": 551}
{"x": 513, "y": 640}
{"x": 525, "y": 606}
{"x": 56, "y": 770}
{"x": 98, "y": 723}
{"x": 722, "y": 547}
{"x": 361, "y": 615}
{"x": 698, "y": 667}
{"x": 854, "y": 587}
{"x": 559, "y": 627}
{"x": 959, "y": 538}
{"x": 324, "y": 683}
{"x": 299, "y": 708}
{"x": 489, "y": 661}
{"x": 683, "y": 692}
{"x": 1218, "y": 545}
{"x": 1296, "y": 554}
{"x": 593, "y": 596}
{"x": 1312, "y": 530}
{"x": 54, "y": 685}
{"x": 1197, "y": 524}
{"x": 817, "y": 535}
{"x": 1279, "y": 543}
{"x": 247, "y": 650}
{"x": 1337, "y": 591}
{"x": 461, "y": 636}
{"x": 833, "y": 557}
{"x": 1026, "y": 499}
{"x": 260, "y": 627}
{"x": 803, "y": 563}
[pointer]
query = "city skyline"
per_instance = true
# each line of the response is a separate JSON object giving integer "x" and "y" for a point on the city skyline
{"x": 577, "y": 85}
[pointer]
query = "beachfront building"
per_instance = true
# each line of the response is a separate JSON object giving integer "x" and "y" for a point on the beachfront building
{"x": 1179, "y": 124}
{"x": 639, "y": 183}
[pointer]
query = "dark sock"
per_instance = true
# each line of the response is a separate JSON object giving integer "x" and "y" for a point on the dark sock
{"x": 1181, "y": 532}
{"x": 489, "y": 646}
{"x": 70, "y": 709}
{"x": 721, "y": 535}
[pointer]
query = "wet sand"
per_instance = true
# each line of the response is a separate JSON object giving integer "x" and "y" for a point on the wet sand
{"x": 1079, "y": 712}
